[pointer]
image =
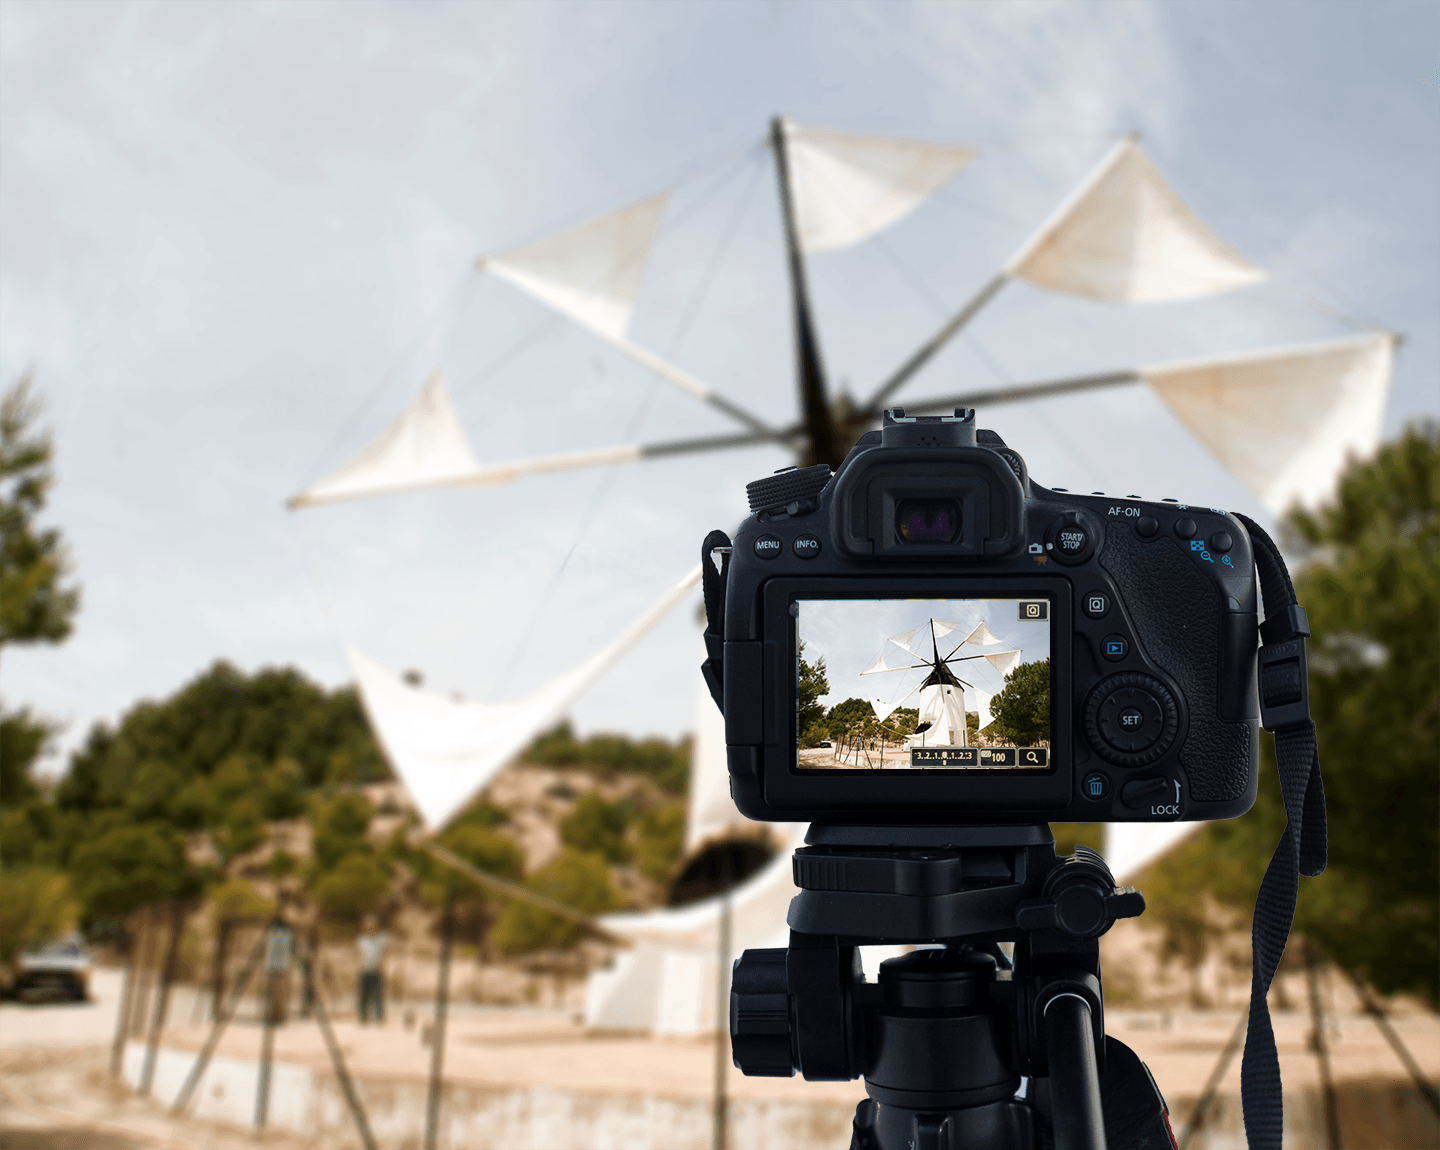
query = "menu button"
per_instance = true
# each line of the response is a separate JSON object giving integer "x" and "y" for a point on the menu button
{"x": 767, "y": 547}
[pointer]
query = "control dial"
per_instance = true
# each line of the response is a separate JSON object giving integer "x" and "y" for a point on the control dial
{"x": 1131, "y": 719}
{"x": 791, "y": 485}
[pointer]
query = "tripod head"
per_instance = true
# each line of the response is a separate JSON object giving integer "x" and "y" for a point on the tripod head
{"x": 958, "y": 1043}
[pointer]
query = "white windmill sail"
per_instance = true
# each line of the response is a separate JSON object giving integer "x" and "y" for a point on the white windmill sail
{"x": 982, "y": 636}
{"x": 884, "y": 709}
{"x": 424, "y": 447}
{"x": 666, "y": 982}
{"x": 445, "y": 751}
{"x": 848, "y": 186}
{"x": 1125, "y": 236}
{"x": 592, "y": 275}
{"x": 1284, "y": 421}
{"x": 982, "y": 701}
{"x": 592, "y": 272}
{"x": 1004, "y": 662}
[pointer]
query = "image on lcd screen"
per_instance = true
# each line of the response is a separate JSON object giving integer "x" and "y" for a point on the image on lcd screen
{"x": 900, "y": 683}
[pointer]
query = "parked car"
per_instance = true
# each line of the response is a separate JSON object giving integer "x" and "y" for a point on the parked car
{"x": 55, "y": 972}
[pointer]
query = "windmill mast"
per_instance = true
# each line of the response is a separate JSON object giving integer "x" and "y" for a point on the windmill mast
{"x": 823, "y": 444}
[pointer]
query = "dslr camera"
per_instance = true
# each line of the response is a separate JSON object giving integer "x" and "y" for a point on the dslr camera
{"x": 998, "y": 656}
{"x": 1029, "y": 655}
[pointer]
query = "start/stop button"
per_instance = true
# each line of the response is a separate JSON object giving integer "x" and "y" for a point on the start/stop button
{"x": 1070, "y": 539}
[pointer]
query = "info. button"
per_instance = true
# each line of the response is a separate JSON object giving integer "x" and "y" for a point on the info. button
{"x": 806, "y": 547}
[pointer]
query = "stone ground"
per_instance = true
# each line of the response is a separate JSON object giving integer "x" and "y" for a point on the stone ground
{"x": 56, "y": 1093}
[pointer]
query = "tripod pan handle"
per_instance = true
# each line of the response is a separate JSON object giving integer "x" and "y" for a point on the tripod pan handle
{"x": 1074, "y": 1076}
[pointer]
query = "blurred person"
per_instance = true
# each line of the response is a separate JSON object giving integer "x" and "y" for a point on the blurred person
{"x": 371, "y": 945}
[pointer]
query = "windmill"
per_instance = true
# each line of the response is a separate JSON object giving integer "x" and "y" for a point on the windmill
{"x": 948, "y": 685}
{"x": 1281, "y": 420}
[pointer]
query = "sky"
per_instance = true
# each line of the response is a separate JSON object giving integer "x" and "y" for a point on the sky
{"x": 235, "y": 238}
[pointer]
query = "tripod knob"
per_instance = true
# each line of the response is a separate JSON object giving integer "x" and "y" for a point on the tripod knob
{"x": 760, "y": 1032}
{"x": 1080, "y": 899}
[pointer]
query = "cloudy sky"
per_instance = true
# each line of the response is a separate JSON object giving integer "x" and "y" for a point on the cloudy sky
{"x": 234, "y": 238}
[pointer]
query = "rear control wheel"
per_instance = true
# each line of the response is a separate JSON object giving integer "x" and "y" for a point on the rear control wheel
{"x": 1131, "y": 720}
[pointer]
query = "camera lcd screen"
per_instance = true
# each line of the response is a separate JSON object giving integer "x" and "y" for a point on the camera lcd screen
{"x": 959, "y": 684}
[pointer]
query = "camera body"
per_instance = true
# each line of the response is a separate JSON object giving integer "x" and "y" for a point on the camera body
{"x": 1105, "y": 668}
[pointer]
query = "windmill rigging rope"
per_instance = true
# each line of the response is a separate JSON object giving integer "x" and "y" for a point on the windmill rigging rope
{"x": 602, "y": 488}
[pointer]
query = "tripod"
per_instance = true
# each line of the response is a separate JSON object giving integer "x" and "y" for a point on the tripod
{"x": 959, "y": 1046}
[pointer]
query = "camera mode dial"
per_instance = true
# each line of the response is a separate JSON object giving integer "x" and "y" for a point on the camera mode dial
{"x": 791, "y": 485}
{"x": 1131, "y": 719}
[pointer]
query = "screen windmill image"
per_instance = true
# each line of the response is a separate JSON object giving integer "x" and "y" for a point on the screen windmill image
{"x": 958, "y": 683}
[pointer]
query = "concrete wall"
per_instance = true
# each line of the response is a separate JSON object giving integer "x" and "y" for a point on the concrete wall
{"x": 310, "y": 1104}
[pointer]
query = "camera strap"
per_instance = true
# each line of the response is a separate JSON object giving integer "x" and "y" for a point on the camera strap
{"x": 712, "y": 583}
{"x": 1285, "y": 713}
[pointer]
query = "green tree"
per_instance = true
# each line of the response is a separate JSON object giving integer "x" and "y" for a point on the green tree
{"x": 1371, "y": 588}
{"x": 36, "y": 606}
{"x": 475, "y": 908}
{"x": 668, "y": 764}
{"x": 660, "y": 836}
{"x": 35, "y": 904}
{"x": 339, "y": 829}
{"x": 1021, "y": 711}
{"x": 127, "y": 865}
{"x": 810, "y": 712}
{"x": 354, "y": 887}
{"x": 35, "y": 603}
{"x": 230, "y": 726}
{"x": 598, "y": 825}
{"x": 573, "y": 878}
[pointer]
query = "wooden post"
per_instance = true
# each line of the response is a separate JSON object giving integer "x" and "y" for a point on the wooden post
{"x": 437, "y": 1032}
{"x": 217, "y": 987}
{"x": 279, "y": 946}
{"x": 202, "y": 1059}
{"x": 131, "y": 948}
{"x": 1320, "y": 1044}
{"x": 337, "y": 1059}
{"x": 136, "y": 1024}
{"x": 722, "y": 1026}
{"x": 162, "y": 996}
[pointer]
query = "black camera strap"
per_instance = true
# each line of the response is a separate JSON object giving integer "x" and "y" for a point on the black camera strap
{"x": 1285, "y": 713}
{"x": 712, "y": 583}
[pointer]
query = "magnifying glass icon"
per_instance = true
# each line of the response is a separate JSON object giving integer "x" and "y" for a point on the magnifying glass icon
{"x": 1030, "y": 757}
